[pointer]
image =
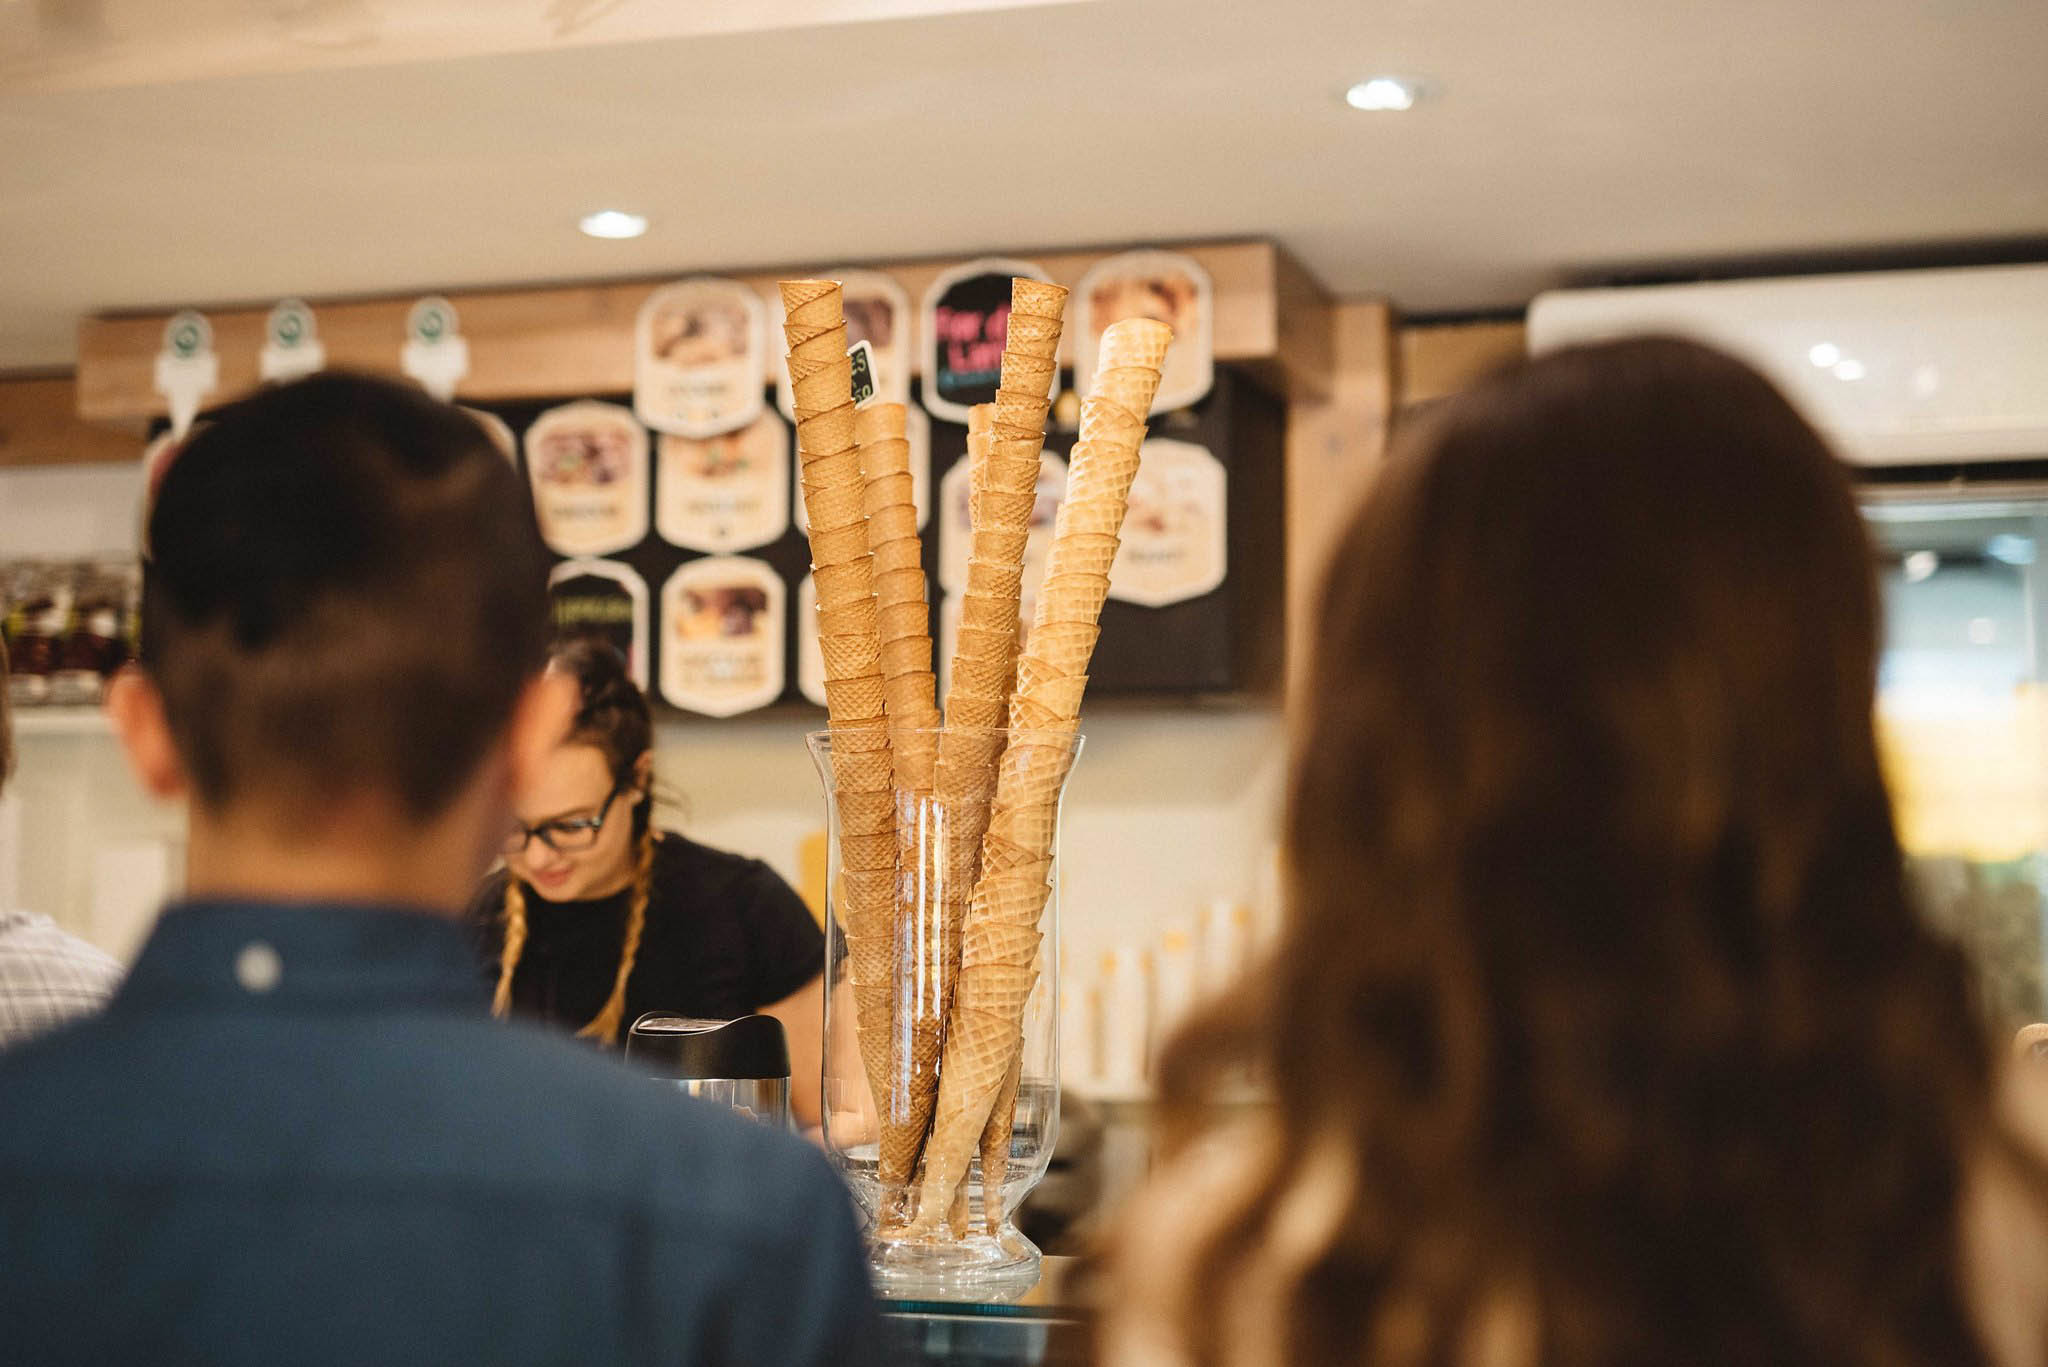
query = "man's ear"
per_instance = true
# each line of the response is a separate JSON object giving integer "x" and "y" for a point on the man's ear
{"x": 540, "y": 722}
{"x": 136, "y": 709}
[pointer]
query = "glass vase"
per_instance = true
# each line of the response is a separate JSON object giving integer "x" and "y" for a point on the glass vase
{"x": 942, "y": 995}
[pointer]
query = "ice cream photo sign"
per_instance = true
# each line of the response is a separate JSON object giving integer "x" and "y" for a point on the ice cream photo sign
{"x": 605, "y": 600}
{"x": 700, "y": 358}
{"x": 587, "y": 463}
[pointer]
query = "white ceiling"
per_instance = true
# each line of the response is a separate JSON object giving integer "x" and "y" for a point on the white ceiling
{"x": 355, "y": 155}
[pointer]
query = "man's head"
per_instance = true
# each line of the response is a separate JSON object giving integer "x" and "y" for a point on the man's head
{"x": 344, "y": 604}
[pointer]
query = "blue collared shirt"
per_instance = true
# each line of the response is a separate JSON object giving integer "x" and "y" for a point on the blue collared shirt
{"x": 296, "y": 1136}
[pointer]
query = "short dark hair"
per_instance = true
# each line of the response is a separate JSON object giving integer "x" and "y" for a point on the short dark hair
{"x": 344, "y": 590}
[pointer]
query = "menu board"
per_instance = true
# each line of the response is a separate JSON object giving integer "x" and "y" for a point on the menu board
{"x": 1175, "y": 539}
{"x": 606, "y": 600}
{"x": 724, "y": 493}
{"x": 700, "y": 360}
{"x": 587, "y": 464}
{"x": 878, "y": 313}
{"x": 956, "y": 527}
{"x": 1166, "y": 286}
{"x": 722, "y": 631}
{"x": 966, "y": 321}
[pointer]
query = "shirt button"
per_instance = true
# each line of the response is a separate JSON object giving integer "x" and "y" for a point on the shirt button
{"x": 257, "y": 967}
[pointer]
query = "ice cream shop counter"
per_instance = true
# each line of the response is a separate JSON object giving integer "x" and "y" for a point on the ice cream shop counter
{"x": 1048, "y": 1326}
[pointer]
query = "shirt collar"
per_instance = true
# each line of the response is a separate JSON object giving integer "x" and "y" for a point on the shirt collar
{"x": 331, "y": 954}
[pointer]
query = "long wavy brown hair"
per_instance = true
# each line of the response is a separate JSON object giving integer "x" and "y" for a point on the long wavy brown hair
{"x": 1600, "y": 995}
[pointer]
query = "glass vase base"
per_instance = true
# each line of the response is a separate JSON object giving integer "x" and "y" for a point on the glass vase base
{"x": 976, "y": 1267}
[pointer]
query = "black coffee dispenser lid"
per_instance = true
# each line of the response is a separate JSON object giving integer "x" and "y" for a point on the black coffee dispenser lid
{"x": 687, "y": 1049}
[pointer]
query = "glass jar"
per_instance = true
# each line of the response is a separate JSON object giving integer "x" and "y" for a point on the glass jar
{"x": 941, "y": 1083}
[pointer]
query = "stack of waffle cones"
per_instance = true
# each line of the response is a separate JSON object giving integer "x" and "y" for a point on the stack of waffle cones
{"x": 850, "y": 639}
{"x": 917, "y": 1011}
{"x": 979, "y": 1072}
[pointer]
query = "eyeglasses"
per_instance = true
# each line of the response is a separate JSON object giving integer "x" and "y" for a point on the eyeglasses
{"x": 566, "y": 835}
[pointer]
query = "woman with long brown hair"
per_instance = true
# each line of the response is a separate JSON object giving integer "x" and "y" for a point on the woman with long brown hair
{"x": 598, "y": 917}
{"x": 1601, "y": 1031}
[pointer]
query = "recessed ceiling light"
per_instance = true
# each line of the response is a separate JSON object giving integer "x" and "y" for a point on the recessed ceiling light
{"x": 613, "y": 223}
{"x": 1849, "y": 368}
{"x": 1384, "y": 94}
{"x": 1824, "y": 354}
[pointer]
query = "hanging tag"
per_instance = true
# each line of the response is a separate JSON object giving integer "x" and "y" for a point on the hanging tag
{"x": 863, "y": 357}
{"x": 435, "y": 352}
{"x": 291, "y": 344}
{"x": 187, "y": 370}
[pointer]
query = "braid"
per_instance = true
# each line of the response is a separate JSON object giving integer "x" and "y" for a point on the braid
{"x": 515, "y": 944}
{"x": 604, "y": 1026}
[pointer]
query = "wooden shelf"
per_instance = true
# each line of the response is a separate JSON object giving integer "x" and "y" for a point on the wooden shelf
{"x": 558, "y": 342}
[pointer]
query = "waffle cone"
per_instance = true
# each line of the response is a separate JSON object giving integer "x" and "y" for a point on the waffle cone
{"x": 882, "y": 422}
{"x": 994, "y": 576}
{"x": 1103, "y": 415}
{"x": 894, "y": 553}
{"x": 905, "y": 657}
{"x": 1089, "y": 516}
{"x": 858, "y": 737}
{"x": 1136, "y": 342}
{"x": 810, "y": 301}
{"x": 1029, "y": 715}
{"x": 999, "y": 988}
{"x": 817, "y": 395}
{"x": 1015, "y": 903}
{"x": 862, "y": 773}
{"x": 1030, "y": 365}
{"x": 837, "y": 469}
{"x": 970, "y": 710}
{"x": 1001, "y": 548}
{"x": 899, "y": 620}
{"x": 1072, "y": 597}
{"x": 1020, "y": 411}
{"x": 1062, "y": 696}
{"x": 995, "y": 1148}
{"x": 856, "y": 618}
{"x": 1009, "y": 509}
{"x": 992, "y": 942}
{"x": 833, "y": 506}
{"x": 981, "y": 419}
{"x": 890, "y": 511}
{"x": 1029, "y": 828}
{"x": 986, "y": 643}
{"x": 848, "y": 657}
{"x": 825, "y": 344}
{"x": 831, "y": 546}
{"x": 1037, "y": 298}
{"x": 855, "y": 697}
{"x": 1064, "y": 644}
{"x": 981, "y": 676}
{"x": 847, "y": 582}
{"x": 870, "y": 853}
{"x": 1084, "y": 552}
{"x": 1027, "y": 332}
{"x": 868, "y": 888}
{"x": 897, "y": 588}
{"x": 866, "y": 812}
{"x": 979, "y": 1046}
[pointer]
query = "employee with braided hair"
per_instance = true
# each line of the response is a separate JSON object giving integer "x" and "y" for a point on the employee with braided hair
{"x": 597, "y": 917}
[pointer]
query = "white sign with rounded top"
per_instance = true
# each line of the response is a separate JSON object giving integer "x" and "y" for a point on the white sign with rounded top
{"x": 723, "y": 629}
{"x": 1176, "y": 537}
{"x": 724, "y": 493}
{"x": 700, "y": 357}
{"x": 187, "y": 368}
{"x": 1167, "y": 286}
{"x": 587, "y": 465}
{"x": 435, "y": 353}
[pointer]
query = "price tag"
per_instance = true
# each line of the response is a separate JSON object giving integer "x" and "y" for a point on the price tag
{"x": 187, "y": 370}
{"x": 291, "y": 345}
{"x": 435, "y": 352}
{"x": 863, "y": 357}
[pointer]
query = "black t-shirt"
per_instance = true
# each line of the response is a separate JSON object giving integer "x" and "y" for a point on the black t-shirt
{"x": 725, "y": 936}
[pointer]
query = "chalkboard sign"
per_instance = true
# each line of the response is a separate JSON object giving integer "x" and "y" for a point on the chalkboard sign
{"x": 966, "y": 322}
